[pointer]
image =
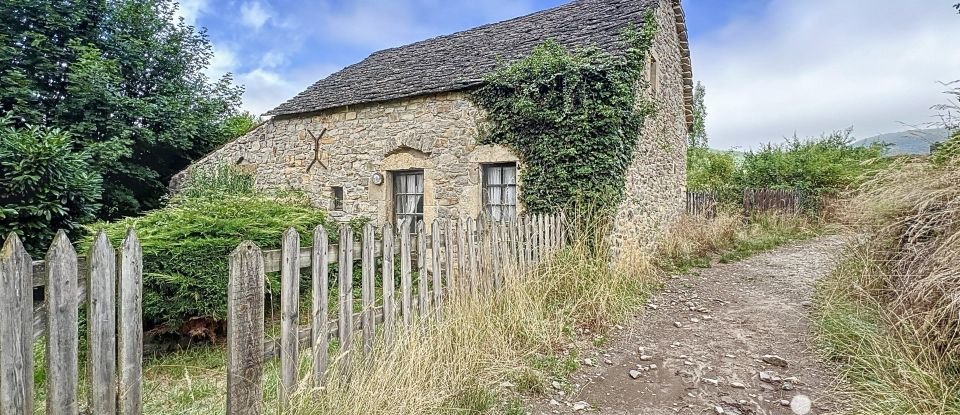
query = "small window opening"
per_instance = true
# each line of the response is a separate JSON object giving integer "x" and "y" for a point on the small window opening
{"x": 652, "y": 74}
{"x": 336, "y": 194}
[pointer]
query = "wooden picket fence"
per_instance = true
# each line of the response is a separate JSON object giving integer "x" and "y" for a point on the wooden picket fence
{"x": 109, "y": 282}
{"x": 702, "y": 203}
{"x": 454, "y": 260}
{"x": 772, "y": 200}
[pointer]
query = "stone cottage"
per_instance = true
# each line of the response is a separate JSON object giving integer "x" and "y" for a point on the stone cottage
{"x": 395, "y": 135}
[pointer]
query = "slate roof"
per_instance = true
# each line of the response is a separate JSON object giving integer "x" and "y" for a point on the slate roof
{"x": 461, "y": 60}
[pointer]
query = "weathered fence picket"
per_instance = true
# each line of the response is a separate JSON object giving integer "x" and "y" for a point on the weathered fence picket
{"x": 245, "y": 313}
{"x": 16, "y": 334}
{"x": 423, "y": 300}
{"x": 345, "y": 275}
{"x": 389, "y": 296}
{"x": 102, "y": 327}
{"x": 289, "y": 313}
{"x": 435, "y": 261}
{"x": 406, "y": 282}
{"x": 130, "y": 330}
{"x": 366, "y": 288}
{"x": 62, "y": 337}
{"x": 320, "y": 278}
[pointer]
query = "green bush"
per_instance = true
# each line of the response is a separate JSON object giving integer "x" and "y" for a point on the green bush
{"x": 709, "y": 170}
{"x": 186, "y": 247}
{"x": 44, "y": 185}
{"x": 948, "y": 151}
{"x": 827, "y": 164}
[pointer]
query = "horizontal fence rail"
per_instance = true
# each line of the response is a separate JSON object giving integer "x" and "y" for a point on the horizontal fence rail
{"x": 109, "y": 283}
{"x": 449, "y": 260}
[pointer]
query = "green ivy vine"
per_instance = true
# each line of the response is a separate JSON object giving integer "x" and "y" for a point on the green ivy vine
{"x": 573, "y": 117}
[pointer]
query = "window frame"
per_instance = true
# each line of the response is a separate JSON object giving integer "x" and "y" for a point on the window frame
{"x": 485, "y": 186}
{"x": 395, "y": 196}
{"x": 337, "y": 194}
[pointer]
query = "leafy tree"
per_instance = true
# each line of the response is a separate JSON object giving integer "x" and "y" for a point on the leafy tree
{"x": 710, "y": 170}
{"x": 698, "y": 131}
{"x": 239, "y": 125}
{"x": 125, "y": 77}
{"x": 45, "y": 184}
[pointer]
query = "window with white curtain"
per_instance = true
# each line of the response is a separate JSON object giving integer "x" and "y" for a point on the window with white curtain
{"x": 500, "y": 191}
{"x": 408, "y": 197}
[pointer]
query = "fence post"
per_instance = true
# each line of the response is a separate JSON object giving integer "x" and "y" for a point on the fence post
{"x": 16, "y": 328}
{"x": 435, "y": 258}
{"x": 245, "y": 331}
{"x": 131, "y": 325}
{"x": 472, "y": 252}
{"x": 389, "y": 284}
{"x": 406, "y": 285}
{"x": 448, "y": 259}
{"x": 102, "y": 327}
{"x": 289, "y": 313}
{"x": 62, "y": 334}
{"x": 366, "y": 288}
{"x": 320, "y": 276}
{"x": 495, "y": 254}
{"x": 346, "y": 295}
{"x": 423, "y": 300}
{"x": 462, "y": 278}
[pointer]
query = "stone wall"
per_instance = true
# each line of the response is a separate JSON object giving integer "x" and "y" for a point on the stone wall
{"x": 436, "y": 133}
{"x": 656, "y": 182}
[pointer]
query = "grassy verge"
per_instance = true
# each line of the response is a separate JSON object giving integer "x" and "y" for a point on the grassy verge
{"x": 696, "y": 242}
{"x": 890, "y": 313}
{"x": 887, "y": 363}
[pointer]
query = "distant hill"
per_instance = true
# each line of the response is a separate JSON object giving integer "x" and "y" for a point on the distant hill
{"x": 916, "y": 142}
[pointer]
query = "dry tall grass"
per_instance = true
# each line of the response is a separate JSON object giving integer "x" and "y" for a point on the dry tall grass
{"x": 891, "y": 311}
{"x": 485, "y": 349}
{"x": 695, "y": 240}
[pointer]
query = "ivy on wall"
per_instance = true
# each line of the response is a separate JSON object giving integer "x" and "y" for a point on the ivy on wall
{"x": 573, "y": 117}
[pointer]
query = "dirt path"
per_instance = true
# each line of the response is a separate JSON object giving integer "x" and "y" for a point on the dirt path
{"x": 699, "y": 346}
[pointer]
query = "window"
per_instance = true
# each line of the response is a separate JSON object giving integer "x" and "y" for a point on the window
{"x": 652, "y": 74}
{"x": 500, "y": 191}
{"x": 336, "y": 195}
{"x": 408, "y": 196}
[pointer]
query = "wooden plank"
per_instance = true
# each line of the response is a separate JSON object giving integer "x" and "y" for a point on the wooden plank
{"x": 130, "y": 337}
{"x": 527, "y": 244}
{"x": 16, "y": 331}
{"x": 62, "y": 312}
{"x": 544, "y": 246}
{"x": 435, "y": 258}
{"x": 245, "y": 331}
{"x": 406, "y": 285}
{"x": 102, "y": 327}
{"x": 423, "y": 300}
{"x": 448, "y": 258}
{"x": 472, "y": 252}
{"x": 346, "y": 295}
{"x": 389, "y": 284}
{"x": 462, "y": 267}
{"x": 289, "y": 314}
{"x": 495, "y": 254}
{"x": 320, "y": 277}
{"x": 514, "y": 230}
{"x": 369, "y": 262}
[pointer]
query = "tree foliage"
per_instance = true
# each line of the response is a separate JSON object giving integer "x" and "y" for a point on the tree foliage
{"x": 828, "y": 163}
{"x": 573, "y": 118}
{"x": 698, "y": 130}
{"x": 45, "y": 184}
{"x": 125, "y": 77}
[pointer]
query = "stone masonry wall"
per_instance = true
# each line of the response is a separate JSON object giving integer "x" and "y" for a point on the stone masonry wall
{"x": 436, "y": 133}
{"x": 656, "y": 182}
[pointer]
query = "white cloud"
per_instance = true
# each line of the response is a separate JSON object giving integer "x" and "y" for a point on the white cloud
{"x": 264, "y": 89}
{"x": 254, "y": 15}
{"x": 224, "y": 60}
{"x": 820, "y": 65}
{"x": 189, "y": 10}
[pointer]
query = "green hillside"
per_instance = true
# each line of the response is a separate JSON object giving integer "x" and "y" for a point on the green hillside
{"x": 916, "y": 142}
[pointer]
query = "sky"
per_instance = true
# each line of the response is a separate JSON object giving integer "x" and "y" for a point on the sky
{"x": 772, "y": 69}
